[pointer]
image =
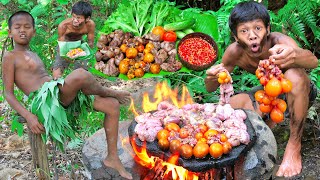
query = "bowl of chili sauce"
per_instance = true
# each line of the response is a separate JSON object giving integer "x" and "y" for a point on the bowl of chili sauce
{"x": 197, "y": 51}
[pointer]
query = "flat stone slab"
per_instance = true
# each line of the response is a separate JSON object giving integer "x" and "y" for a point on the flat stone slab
{"x": 258, "y": 163}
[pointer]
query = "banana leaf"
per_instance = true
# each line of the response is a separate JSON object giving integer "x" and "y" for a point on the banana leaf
{"x": 66, "y": 46}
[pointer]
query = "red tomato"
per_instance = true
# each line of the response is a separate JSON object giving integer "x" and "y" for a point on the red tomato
{"x": 170, "y": 36}
{"x": 201, "y": 150}
{"x": 183, "y": 133}
{"x": 172, "y": 127}
{"x": 186, "y": 151}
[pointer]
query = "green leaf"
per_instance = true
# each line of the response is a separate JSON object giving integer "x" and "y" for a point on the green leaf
{"x": 4, "y": 2}
{"x": 16, "y": 126}
{"x": 62, "y": 2}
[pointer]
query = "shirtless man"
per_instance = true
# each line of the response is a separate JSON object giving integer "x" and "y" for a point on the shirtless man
{"x": 25, "y": 69}
{"x": 73, "y": 29}
{"x": 250, "y": 25}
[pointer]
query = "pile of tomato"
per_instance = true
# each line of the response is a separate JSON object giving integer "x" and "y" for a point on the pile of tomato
{"x": 204, "y": 141}
{"x": 133, "y": 68}
{"x": 272, "y": 78}
{"x": 224, "y": 77}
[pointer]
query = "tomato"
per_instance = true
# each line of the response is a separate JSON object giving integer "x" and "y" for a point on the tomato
{"x": 263, "y": 80}
{"x": 201, "y": 150}
{"x": 203, "y": 128}
{"x": 286, "y": 85}
{"x": 148, "y": 58}
{"x": 198, "y": 136}
{"x": 146, "y": 50}
{"x": 131, "y": 53}
{"x": 259, "y": 74}
{"x": 276, "y": 115}
{"x": 123, "y": 48}
{"x": 221, "y": 81}
{"x": 175, "y": 145}
{"x": 139, "y": 72}
{"x": 183, "y": 133}
{"x": 158, "y": 30}
{"x": 265, "y": 108}
{"x": 227, "y": 79}
{"x": 155, "y": 68}
{"x": 223, "y": 138}
{"x": 259, "y": 95}
{"x": 202, "y": 140}
{"x": 227, "y": 147}
{"x": 149, "y": 46}
{"x": 282, "y": 105}
{"x": 163, "y": 134}
{"x": 223, "y": 75}
{"x": 170, "y": 36}
{"x": 266, "y": 100}
{"x": 142, "y": 64}
{"x": 124, "y": 66}
{"x": 164, "y": 144}
{"x": 216, "y": 150}
{"x": 273, "y": 87}
{"x": 210, "y": 133}
{"x": 172, "y": 127}
{"x": 186, "y": 151}
{"x": 140, "y": 48}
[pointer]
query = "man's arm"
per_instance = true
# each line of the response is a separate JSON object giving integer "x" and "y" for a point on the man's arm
{"x": 91, "y": 29}
{"x": 288, "y": 54}
{"x": 8, "y": 82}
{"x": 211, "y": 81}
{"x": 62, "y": 28}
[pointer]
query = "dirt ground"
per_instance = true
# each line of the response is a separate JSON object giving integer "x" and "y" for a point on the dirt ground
{"x": 15, "y": 154}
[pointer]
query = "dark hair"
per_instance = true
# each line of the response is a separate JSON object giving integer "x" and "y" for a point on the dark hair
{"x": 17, "y": 14}
{"x": 82, "y": 8}
{"x": 248, "y": 11}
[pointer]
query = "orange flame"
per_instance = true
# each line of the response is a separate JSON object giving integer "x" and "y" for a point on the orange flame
{"x": 177, "y": 172}
{"x": 163, "y": 93}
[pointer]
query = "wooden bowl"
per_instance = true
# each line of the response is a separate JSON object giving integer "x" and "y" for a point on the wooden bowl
{"x": 205, "y": 37}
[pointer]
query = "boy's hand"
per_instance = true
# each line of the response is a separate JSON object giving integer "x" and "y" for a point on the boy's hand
{"x": 56, "y": 74}
{"x": 284, "y": 55}
{"x": 34, "y": 124}
{"x": 213, "y": 71}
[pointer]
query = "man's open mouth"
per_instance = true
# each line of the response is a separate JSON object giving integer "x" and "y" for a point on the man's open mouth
{"x": 23, "y": 36}
{"x": 255, "y": 48}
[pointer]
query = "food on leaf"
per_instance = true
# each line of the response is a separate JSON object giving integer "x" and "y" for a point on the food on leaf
{"x": 77, "y": 52}
{"x": 138, "y": 72}
{"x": 124, "y": 66}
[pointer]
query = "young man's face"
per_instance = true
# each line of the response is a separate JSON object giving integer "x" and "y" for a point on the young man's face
{"x": 22, "y": 29}
{"x": 78, "y": 20}
{"x": 252, "y": 35}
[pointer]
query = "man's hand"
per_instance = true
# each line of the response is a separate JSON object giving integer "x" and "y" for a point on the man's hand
{"x": 284, "y": 55}
{"x": 34, "y": 124}
{"x": 56, "y": 74}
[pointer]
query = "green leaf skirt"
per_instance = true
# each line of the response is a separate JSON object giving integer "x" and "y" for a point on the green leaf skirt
{"x": 60, "y": 123}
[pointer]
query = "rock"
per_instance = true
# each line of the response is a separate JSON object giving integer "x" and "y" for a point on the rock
{"x": 10, "y": 173}
{"x": 260, "y": 161}
{"x": 15, "y": 142}
{"x": 95, "y": 150}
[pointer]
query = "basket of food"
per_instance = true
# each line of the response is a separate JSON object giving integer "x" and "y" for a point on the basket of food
{"x": 197, "y": 51}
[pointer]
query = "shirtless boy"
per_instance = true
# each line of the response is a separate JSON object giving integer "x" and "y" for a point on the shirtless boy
{"x": 73, "y": 29}
{"x": 25, "y": 69}
{"x": 250, "y": 26}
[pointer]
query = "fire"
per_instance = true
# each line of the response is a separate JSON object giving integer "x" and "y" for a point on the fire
{"x": 163, "y": 93}
{"x": 177, "y": 172}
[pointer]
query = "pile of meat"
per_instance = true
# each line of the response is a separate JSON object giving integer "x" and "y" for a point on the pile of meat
{"x": 109, "y": 52}
{"x": 222, "y": 118}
